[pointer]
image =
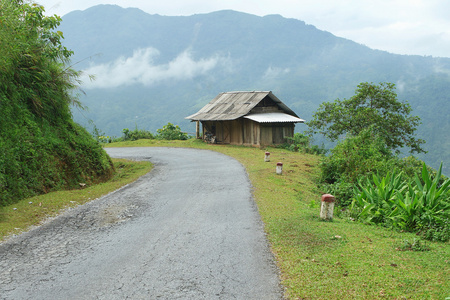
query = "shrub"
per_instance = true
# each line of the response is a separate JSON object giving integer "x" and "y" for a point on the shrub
{"x": 136, "y": 134}
{"x": 302, "y": 143}
{"x": 341, "y": 190}
{"x": 356, "y": 156}
{"x": 171, "y": 132}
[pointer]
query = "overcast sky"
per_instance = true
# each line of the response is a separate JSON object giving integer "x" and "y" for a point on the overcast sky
{"x": 419, "y": 27}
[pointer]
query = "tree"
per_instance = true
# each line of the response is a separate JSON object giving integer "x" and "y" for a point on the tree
{"x": 375, "y": 107}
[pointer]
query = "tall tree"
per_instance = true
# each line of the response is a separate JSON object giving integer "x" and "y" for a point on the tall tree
{"x": 375, "y": 107}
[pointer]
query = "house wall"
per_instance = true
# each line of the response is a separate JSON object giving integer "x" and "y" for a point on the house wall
{"x": 247, "y": 132}
{"x": 220, "y": 129}
{"x": 251, "y": 132}
{"x": 276, "y": 133}
{"x": 236, "y": 132}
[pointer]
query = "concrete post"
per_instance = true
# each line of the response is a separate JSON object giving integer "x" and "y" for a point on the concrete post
{"x": 267, "y": 157}
{"x": 279, "y": 168}
{"x": 327, "y": 207}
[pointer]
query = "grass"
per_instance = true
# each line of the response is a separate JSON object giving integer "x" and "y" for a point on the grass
{"x": 18, "y": 217}
{"x": 329, "y": 260}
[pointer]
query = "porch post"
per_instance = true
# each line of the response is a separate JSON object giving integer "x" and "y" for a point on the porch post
{"x": 197, "y": 130}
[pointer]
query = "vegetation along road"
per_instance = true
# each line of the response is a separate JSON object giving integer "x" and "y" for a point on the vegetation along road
{"x": 189, "y": 229}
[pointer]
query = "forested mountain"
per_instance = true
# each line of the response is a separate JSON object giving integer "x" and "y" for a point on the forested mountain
{"x": 154, "y": 69}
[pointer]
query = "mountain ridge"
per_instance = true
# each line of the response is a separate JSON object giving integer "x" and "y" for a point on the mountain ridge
{"x": 176, "y": 64}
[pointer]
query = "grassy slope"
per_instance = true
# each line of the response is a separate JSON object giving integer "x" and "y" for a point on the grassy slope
{"x": 327, "y": 260}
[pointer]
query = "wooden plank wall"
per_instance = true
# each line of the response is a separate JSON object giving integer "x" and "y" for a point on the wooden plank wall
{"x": 249, "y": 133}
{"x": 266, "y": 135}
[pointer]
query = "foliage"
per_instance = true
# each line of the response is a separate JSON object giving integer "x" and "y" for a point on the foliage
{"x": 374, "y": 106}
{"x": 171, "y": 132}
{"x": 302, "y": 143}
{"x": 405, "y": 204}
{"x": 356, "y": 156}
{"x": 136, "y": 134}
{"x": 42, "y": 149}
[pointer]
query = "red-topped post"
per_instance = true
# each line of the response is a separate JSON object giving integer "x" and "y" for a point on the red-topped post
{"x": 327, "y": 207}
{"x": 267, "y": 157}
{"x": 279, "y": 168}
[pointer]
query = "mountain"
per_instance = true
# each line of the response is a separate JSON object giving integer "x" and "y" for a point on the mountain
{"x": 154, "y": 69}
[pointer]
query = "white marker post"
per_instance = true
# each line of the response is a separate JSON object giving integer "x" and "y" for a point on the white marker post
{"x": 327, "y": 207}
{"x": 267, "y": 157}
{"x": 279, "y": 168}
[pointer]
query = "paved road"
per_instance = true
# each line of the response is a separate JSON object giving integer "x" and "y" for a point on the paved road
{"x": 187, "y": 230}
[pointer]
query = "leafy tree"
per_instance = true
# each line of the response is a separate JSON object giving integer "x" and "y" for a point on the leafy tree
{"x": 374, "y": 106}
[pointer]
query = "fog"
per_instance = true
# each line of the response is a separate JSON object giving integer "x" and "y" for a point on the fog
{"x": 141, "y": 69}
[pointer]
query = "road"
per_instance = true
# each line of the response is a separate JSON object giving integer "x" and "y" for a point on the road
{"x": 189, "y": 229}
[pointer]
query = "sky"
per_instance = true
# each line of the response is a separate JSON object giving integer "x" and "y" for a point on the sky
{"x": 414, "y": 27}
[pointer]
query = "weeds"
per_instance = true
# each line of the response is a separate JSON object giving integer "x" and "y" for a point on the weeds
{"x": 415, "y": 245}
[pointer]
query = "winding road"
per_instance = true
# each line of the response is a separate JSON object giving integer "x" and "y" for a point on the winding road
{"x": 189, "y": 229}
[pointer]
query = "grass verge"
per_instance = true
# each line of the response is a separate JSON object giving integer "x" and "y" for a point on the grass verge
{"x": 20, "y": 216}
{"x": 321, "y": 260}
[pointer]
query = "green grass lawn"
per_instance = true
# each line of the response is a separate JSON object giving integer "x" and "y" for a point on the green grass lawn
{"x": 327, "y": 260}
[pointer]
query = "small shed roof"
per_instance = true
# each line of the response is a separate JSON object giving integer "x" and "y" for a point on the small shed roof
{"x": 233, "y": 105}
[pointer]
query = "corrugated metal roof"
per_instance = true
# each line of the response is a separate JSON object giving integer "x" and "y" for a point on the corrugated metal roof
{"x": 274, "y": 118}
{"x": 233, "y": 105}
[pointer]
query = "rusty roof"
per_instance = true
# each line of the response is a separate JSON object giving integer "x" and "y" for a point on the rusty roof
{"x": 233, "y": 105}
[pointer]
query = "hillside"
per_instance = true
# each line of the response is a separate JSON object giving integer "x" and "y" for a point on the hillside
{"x": 154, "y": 69}
{"x": 41, "y": 147}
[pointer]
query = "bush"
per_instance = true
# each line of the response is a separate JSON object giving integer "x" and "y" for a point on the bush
{"x": 355, "y": 157}
{"x": 171, "y": 132}
{"x": 341, "y": 190}
{"x": 136, "y": 134}
{"x": 302, "y": 143}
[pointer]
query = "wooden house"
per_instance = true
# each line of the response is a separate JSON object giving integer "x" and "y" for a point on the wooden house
{"x": 246, "y": 118}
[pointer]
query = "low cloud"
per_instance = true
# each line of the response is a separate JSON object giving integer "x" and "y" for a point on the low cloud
{"x": 140, "y": 69}
{"x": 274, "y": 72}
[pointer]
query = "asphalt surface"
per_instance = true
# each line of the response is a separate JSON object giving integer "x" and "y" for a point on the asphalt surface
{"x": 189, "y": 229}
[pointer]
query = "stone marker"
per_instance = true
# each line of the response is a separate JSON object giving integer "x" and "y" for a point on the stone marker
{"x": 267, "y": 157}
{"x": 279, "y": 168}
{"x": 327, "y": 207}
